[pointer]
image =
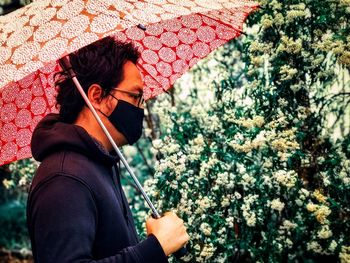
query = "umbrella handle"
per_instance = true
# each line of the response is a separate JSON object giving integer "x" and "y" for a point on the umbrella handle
{"x": 182, "y": 251}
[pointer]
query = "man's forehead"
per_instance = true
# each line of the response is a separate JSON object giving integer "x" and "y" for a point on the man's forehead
{"x": 132, "y": 75}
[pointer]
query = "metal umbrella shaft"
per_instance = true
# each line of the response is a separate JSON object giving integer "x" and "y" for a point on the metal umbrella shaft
{"x": 65, "y": 63}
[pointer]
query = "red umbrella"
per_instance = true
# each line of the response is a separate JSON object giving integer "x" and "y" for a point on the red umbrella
{"x": 171, "y": 38}
{"x": 171, "y": 35}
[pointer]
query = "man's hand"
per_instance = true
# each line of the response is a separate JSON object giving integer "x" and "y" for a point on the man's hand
{"x": 170, "y": 232}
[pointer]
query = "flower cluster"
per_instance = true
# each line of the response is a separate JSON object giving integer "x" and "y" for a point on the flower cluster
{"x": 250, "y": 168}
{"x": 21, "y": 174}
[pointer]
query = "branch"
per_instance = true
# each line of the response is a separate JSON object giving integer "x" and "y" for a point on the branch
{"x": 150, "y": 122}
{"x": 144, "y": 159}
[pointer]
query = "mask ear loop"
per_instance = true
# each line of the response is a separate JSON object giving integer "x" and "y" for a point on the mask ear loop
{"x": 113, "y": 98}
{"x": 103, "y": 113}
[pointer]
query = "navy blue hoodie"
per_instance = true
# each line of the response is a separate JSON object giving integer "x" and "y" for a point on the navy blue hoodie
{"x": 77, "y": 210}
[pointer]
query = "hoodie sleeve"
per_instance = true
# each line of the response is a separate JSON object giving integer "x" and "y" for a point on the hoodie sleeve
{"x": 62, "y": 218}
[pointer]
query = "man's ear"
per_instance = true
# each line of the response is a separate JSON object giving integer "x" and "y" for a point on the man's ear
{"x": 95, "y": 95}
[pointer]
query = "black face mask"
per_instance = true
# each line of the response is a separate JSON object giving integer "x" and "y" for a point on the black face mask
{"x": 128, "y": 120}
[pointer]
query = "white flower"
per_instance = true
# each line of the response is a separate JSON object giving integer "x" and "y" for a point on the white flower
{"x": 247, "y": 181}
{"x": 248, "y": 214}
{"x": 267, "y": 163}
{"x": 287, "y": 72}
{"x": 267, "y": 181}
{"x": 326, "y": 181}
{"x": 314, "y": 246}
{"x": 289, "y": 243}
{"x": 267, "y": 21}
{"x": 299, "y": 202}
{"x": 148, "y": 132}
{"x": 321, "y": 214}
{"x": 222, "y": 231}
{"x": 206, "y": 229}
{"x": 129, "y": 151}
{"x": 241, "y": 168}
{"x": 282, "y": 102}
{"x": 199, "y": 140}
{"x": 212, "y": 123}
{"x": 174, "y": 185}
{"x": 230, "y": 221}
{"x": 22, "y": 181}
{"x": 203, "y": 204}
{"x": 289, "y": 45}
{"x": 260, "y": 139}
{"x": 197, "y": 247}
{"x": 207, "y": 251}
{"x": 288, "y": 225}
{"x": 304, "y": 193}
{"x": 238, "y": 137}
{"x": 344, "y": 255}
{"x": 225, "y": 202}
{"x": 197, "y": 111}
{"x": 286, "y": 178}
{"x": 333, "y": 245}
{"x": 171, "y": 148}
{"x": 257, "y": 121}
{"x": 250, "y": 218}
{"x": 342, "y": 174}
{"x": 277, "y": 205}
{"x": 238, "y": 195}
{"x": 8, "y": 183}
{"x": 157, "y": 144}
{"x": 222, "y": 179}
{"x": 196, "y": 147}
{"x": 324, "y": 232}
{"x": 293, "y": 14}
{"x": 311, "y": 207}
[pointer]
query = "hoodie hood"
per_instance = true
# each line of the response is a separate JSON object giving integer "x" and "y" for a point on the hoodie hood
{"x": 52, "y": 135}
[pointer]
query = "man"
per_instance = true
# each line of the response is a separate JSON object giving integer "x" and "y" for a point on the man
{"x": 77, "y": 210}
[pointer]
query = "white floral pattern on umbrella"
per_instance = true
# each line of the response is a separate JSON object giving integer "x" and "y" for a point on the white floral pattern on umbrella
{"x": 178, "y": 34}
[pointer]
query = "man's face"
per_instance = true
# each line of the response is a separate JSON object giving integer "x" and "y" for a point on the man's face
{"x": 131, "y": 86}
{"x": 128, "y": 90}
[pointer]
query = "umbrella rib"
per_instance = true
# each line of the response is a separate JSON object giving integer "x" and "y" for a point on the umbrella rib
{"x": 227, "y": 24}
{"x": 139, "y": 64}
{"x": 127, "y": 16}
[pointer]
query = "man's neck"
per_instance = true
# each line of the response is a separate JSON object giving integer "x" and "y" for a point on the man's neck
{"x": 88, "y": 122}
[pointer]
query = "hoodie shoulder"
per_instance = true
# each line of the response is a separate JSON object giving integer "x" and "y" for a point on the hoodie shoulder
{"x": 52, "y": 135}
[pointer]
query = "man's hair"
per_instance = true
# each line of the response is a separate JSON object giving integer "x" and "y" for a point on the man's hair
{"x": 98, "y": 63}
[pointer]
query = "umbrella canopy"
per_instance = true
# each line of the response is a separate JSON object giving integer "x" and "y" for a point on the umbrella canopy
{"x": 172, "y": 35}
